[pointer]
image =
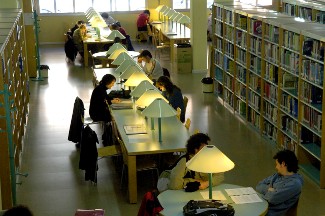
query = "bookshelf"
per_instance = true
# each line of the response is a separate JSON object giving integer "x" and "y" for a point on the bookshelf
{"x": 269, "y": 72}
{"x": 14, "y": 99}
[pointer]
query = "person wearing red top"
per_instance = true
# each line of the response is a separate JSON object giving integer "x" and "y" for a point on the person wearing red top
{"x": 143, "y": 20}
{"x": 121, "y": 30}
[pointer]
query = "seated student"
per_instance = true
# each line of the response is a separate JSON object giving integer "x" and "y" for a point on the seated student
{"x": 127, "y": 41}
{"x": 79, "y": 36}
{"x": 282, "y": 189}
{"x": 143, "y": 21}
{"x": 121, "y": 30}
{"x": 180, "y": 175}
{"x": 151, "y": 66}
{"x": 75, "y": 27}
{"x": 172, "y": 93}
{"x": 108, "y": 19}
{"x": 99, "y": 101}
{"x": 18, "y": 210}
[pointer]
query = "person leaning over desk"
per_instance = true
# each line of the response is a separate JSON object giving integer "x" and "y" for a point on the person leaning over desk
{"x": 180, "y": 175}
{"x": 282, "y": 189}
{"x": 99, "y": 101}
{"x": 79, "y": 36}
{"x": 151, "y": 65}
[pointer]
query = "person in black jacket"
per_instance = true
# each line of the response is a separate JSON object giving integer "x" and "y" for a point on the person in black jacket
{"x": 100, "y": 101}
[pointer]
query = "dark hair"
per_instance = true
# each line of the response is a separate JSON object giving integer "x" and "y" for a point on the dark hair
{"x": 80, "y": 22}
{"x": 289, "y": 158}
{"x": 147, "y": 12}
{"x": 167, "y": 83}
{"x": 107, "y": 79}
{"x": 19, "y": 210}
{"x": 104, "y": 15}
{"x": 145, "y": 53}
{"x": 114, "y": 26}
{"x": 195, "y": 141}
{"x": 117, "y": 40}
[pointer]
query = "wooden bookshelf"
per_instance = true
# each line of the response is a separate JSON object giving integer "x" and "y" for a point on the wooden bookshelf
{"x": 269, "y": 72}
{"x": 14, "y": 99}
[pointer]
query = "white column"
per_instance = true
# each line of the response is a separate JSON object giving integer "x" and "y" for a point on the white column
{"x": 199, "y": 35}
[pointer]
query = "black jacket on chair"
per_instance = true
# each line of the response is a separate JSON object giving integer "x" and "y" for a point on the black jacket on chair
{"x": 89, "y": 154}
{"x": 98, "y": 109}
{"x": 76, "y": 121}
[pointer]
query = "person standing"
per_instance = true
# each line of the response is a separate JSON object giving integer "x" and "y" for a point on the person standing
{"x": 282, "y": 189}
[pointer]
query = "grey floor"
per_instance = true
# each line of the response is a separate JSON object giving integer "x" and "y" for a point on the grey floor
{"x": 56, "y": 187}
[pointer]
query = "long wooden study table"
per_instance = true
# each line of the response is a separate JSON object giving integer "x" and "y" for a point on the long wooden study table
{"x": 174, "y": 136}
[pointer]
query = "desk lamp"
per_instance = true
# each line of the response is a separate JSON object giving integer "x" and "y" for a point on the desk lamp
{"x": 136, "y": 78}
{"x": 170, "y": 13}
{"x": 179, "y": 15}
{"x": 114, "y": 47}
{"x": 160, "y": 9}
{"x": 165, "y": 13}
{"x": 130, "y": 70}
{"x": 120, "y": 69}
{"x": 144, "y": 86}
{"x": 121, "y": 58}
{"x": 114, "y": 34}
{"x": 184, "y": 20}
{"x": 159, "y": 108}
{"x": 97, "y": 23}
{"x": 116, "y": 53}
{"x": 210, "y": 160}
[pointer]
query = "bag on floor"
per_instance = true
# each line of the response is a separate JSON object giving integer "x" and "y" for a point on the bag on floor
{"x": 207, "y": 208}
{"x": 95, "y": 212}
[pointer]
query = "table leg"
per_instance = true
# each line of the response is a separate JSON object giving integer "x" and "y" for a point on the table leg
{"x": 172, "y": 41}
{"x": 132, "y": 177}
{"x": 86, "y": 54}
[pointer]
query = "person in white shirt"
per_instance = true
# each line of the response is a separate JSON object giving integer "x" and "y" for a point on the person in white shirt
{"x": 151, "y": 65}
{"x": 108, "y": 19}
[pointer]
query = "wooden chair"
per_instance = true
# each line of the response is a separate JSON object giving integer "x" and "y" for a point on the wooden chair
{"x": 143, "y": 163}
{"x": 293, "y": 211}
{"x": 178, "y": 113}
{"x": 157, "y": 42}
{"x": 185, "y": 101}
{"x": 188, "y": 123}
{"x": 91, "y": 60}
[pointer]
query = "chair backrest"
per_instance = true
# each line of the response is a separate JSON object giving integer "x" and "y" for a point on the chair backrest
{"x": 188, "y": 123}
{"x": 185, "y": 101}
{"x": 124, "y": 152}
{"x": 293, "y": 211}
{"x": 91, "y": 61}
{"x": 178, "y": 113}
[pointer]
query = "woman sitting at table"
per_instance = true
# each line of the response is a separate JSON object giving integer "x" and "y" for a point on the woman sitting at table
{"x": 172, "y": 93}
{"x": 100, "y": 101}
{"x": 180, "y": 175}
{"x": 79, "y": 36}
{"x": 151, "y": 65}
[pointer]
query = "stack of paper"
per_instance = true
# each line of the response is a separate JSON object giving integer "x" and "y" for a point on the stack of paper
{"x": 243, "y": 195}
{"x": 124, "y": 104}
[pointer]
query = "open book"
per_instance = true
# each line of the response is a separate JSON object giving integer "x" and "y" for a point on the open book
{"x": 243, "y": 195}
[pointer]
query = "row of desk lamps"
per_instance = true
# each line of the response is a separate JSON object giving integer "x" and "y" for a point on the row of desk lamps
{"x": 209, "y": 159}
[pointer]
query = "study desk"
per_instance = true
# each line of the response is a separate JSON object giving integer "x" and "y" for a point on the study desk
{"x": 173, "y": 202}
{"x": 174, "y": 137}
{"x": 93, "y": 40}
{"x": 181, "y": 33}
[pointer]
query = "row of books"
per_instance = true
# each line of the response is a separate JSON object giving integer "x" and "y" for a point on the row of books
{"x": 218, "y": 58}
{"x": 313, "y": 48}
{"x": 313, "y": 71}
{"x": 219, "y": 44}
{"x": 241, "y": 22}
{"x": 229, "y": 98}
{"x": 309, "y": 137}
{"x": 271, "y": 73}
{"x": 219, "y": 28}
{"x": 241, "y": 38}
{"x": 271, "y": 52}
{"x": 291, "y": 40}
{"x": 219, "y": 12}
{"x": 241, "y": 90}
{"x": 229, "y": 82}
{"x": 228, "y": 65}
{"x": 254, "y": 118}
{"x": 271, "y": 33}
{"x": 289, "y": 81}
{"x": 255, "y": 64}
{"x": 254, "y": 100}
{"x": 241, "y": 56}
{"x": 241, "y": 73}
{"x": 289, "y": 104}
{"x": 320, "y": 17}
{"x": 312, "y": 118}
{"x": 218, "y": 74}
{"x": 311, "y": 94}
{"x": 287, "y": 143}
{"x": 271, "y": 92}
{"x": 255, "y": 45}
{"x": 229, "y": 49}
{"x": 290, "y": 61}
{"x": 255, "y": 82}
{"x": 241, "y": 107}
{"x": 289, "y": 125}
{"x": 289, "y": 9}
{"x": 271, "y": 112}
{"x": 229, "y": 33}
{"x": 229, "y": 17}
{"x": 305, "y": 13}
{"x": 256, "y": 27}
{"x": 270, "y": 131}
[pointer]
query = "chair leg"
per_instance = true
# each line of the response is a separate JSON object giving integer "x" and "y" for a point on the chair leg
{"x": 122, "y": 176}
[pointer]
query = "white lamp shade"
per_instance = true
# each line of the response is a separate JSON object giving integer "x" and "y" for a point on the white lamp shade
{"x": 136, "y": 78}
{"x": 184, "y": 20}
{"x": 172, "y": 17}
{"x": 179, "y": 15}
{"x": 97, "y": 22}
{"x": 129, "y": 71}
{"x": 114, "y": 34}
{"x": 210, "y": 160}
{"x": 159, "y": 108}
{"x": 166, "y": 11}
{"x": 120, "y": 69}
{"x": 161, "y": 8}
{"x": 121, "y": 57}
{"x": 148, "y": 97}
{"x": 142, "y": 88}
{"x": 116, "y": 53}
{"x": 114, "y": 47}
{"x": 170, "y": 12}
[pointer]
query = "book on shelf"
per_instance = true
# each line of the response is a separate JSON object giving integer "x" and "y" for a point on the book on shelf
{"x": 256, "y": 27}
{"x": 289, "y": 81}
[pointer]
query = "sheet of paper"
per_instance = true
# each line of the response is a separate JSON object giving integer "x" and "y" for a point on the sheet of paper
{"x": 135, "y": 129}
{"x": 216, "y": 195}
{"x": 252, "y": 198}
{"x": 240, "y": 191}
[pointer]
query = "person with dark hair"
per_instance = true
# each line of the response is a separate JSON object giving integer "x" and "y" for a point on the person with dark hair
{"x": 121, "y": 30}
{"x": 108, "y": 19}
{"x": 19, "y": 210}
{"x": 100, "y": 101}
{"x": 151, "y": 65}
{"x": 180, "y": 175}
{"x": 79, "y": 36}
{"x": 172, "y": 93}
{"x": 282, "y": 189}
{"x": 142, "y": 23}
{"x": 75, "y": 27}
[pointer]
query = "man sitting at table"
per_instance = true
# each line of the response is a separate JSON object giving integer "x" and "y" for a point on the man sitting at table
{"x": 108, "y": 19}
{"x": 180, "y": 175}
{"x": 142, "y": 22}
{"x": 151, "y": 65}
{"x": 282, "y": 189}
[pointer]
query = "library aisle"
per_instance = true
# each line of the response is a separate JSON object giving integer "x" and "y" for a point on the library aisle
{"x": 55, "y": 185}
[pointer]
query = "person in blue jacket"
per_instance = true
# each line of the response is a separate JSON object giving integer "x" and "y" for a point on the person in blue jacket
{"x": 172, "y": 93}
{"x": 282, "y": 189}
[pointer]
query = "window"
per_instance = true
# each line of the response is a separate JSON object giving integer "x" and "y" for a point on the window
{"x": 75, "y": 6}
{"x": 186, "y": 4}
{"x": 257, "y": 2}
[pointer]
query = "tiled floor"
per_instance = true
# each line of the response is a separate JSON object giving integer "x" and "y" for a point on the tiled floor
{"x": 56, "y": 187}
